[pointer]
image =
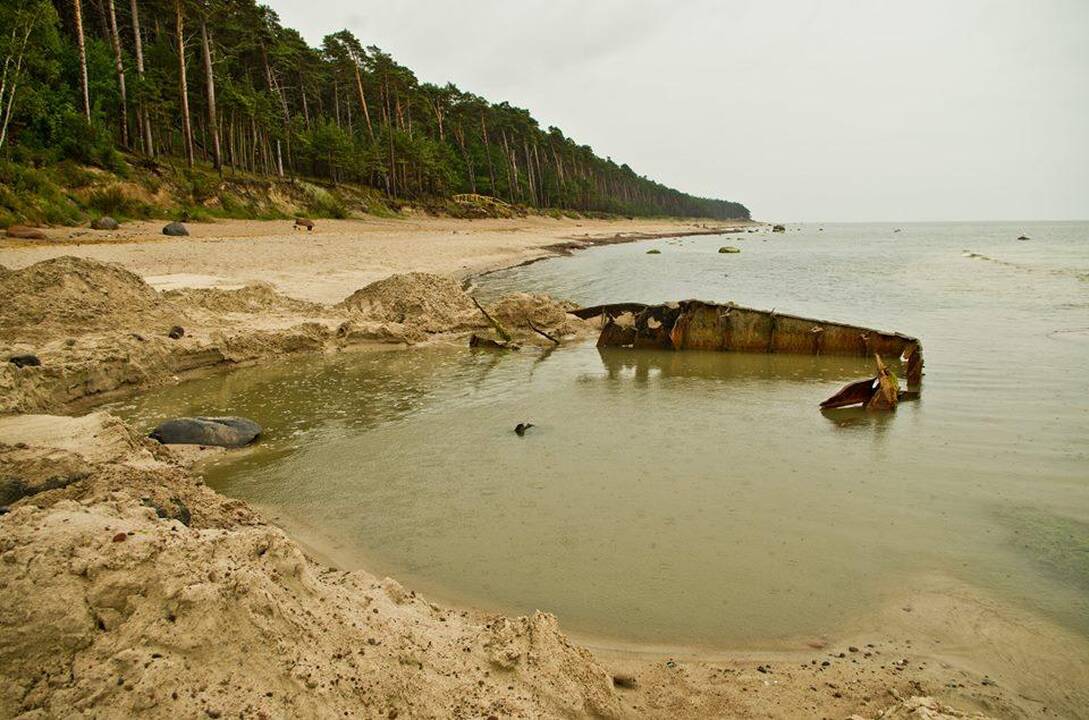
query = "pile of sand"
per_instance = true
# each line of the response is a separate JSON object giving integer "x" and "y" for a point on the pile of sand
{"x": 922, "y": 708}
{"x": 432, "y": 303}
{"x": 516, "y": 311}
{"x": 254, "y": 299}
{"x": 135, "y": 591}
{"x": 69, "y": 294}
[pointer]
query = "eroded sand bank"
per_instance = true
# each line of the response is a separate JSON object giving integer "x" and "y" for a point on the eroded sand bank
{"x": 129, "y": 588}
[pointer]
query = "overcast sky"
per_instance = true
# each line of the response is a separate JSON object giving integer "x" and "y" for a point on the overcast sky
{"x": 805, "y": 111}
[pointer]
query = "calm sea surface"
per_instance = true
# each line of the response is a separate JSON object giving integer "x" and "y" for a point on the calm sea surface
{"x": 700, "y": 497}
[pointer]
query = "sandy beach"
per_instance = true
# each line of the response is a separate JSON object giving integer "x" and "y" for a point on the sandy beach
{"x": 338, "y": 256}
{"x": 122, "y": 573}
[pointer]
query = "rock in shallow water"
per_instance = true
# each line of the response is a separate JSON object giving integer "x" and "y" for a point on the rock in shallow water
{"x": 230, "y": 432}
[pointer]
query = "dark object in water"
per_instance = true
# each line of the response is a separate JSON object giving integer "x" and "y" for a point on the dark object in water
{"x": 728, "y": 250}
{"x": 303, "y": 223}
{"x": 176, "y": 333}
{"x": 483, "y": 343}
{"x": 778, "y": 228}
{"x": 22, "y": 361}
{"x": 520, "y": 428}
{"x": 231, "y": 432}
{"x": 857, "y": 393}
{"x": 1023, "y": 237}
{"x": 877, "y": 393}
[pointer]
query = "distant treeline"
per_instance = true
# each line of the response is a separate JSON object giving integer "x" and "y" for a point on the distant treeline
{"x": 223, "y": 82}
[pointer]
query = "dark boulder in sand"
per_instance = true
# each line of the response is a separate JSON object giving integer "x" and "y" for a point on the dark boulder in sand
{"x": 175, "y": 229}
{"x": 105, "y": 223}
{"x": 25, "y": 233}
{"x": 230, "y": 432}
{"x": 22, "y": 361}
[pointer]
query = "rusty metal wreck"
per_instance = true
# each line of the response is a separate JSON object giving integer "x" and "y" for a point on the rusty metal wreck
{"x": 726, "y": 327}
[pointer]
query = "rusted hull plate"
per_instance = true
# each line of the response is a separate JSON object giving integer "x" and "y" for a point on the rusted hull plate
{"x": 699, "y": 325}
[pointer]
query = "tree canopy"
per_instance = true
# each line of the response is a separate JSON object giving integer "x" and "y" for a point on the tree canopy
{"x": 224, "y": 82}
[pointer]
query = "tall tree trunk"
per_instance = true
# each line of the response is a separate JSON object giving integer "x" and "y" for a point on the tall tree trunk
{"x": 362, "y": 99}
{"x": 488, "y": 153}
{"x": 183, "y": 83}
{"x": 336, "y": 100}
{"x": 305, "y": 106}
{"x": 210, "y": 83}
{"x": 116, "y": 38}
{"x": 142, "y": 113}
{"x": 78, "y": 6}
{"x": 9, "y": 83}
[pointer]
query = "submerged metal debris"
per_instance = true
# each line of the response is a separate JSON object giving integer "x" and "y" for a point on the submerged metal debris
{"x": 699, "y": 325}
{"x": 877, "y": 393}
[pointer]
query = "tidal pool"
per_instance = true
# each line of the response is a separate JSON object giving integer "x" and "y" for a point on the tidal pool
{"x": 701, "y": 497}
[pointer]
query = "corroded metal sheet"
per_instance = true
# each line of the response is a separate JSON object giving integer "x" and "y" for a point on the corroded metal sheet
{"x": 699, "y": 325}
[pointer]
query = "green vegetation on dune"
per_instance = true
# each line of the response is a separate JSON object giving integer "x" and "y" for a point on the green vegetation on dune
{"x": 153, "y": 107}
{"x": 67, "y": 193}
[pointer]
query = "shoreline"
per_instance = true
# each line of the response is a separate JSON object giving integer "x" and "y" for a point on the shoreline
{"x": 340, "y": 256}
{"x": 233, "y": 331}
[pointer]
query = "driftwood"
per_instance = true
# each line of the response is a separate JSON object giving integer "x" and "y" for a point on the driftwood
{"x": 541, "y": 332}
{"x": 499, "y": 329}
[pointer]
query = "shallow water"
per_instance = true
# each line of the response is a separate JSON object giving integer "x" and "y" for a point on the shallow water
{"x": 702, "y": 497}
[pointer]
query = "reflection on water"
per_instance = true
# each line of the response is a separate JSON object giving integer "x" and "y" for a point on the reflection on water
{"x": 703, "y": 497}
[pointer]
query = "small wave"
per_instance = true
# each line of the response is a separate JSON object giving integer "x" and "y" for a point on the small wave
{"x": 1076, "y": 333}
{"x": 1077, "y": 273}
